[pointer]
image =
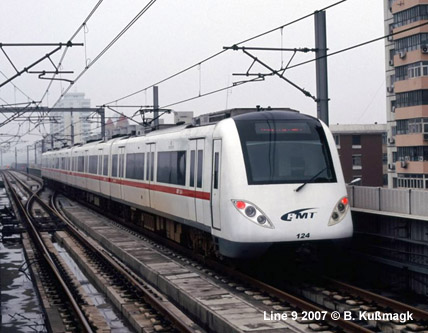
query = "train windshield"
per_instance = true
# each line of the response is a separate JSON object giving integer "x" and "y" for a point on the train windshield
{"x": 285, "y": 151}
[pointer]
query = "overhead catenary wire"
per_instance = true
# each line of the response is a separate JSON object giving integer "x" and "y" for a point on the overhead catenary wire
{"x": 281, "y": 71}
{"x": 223, "y": 51}
{"x": 82, "y": 26}
{"x": 290, "y": 67}
{"x": 114, "y": 40}
{"x": 130, "y": 24}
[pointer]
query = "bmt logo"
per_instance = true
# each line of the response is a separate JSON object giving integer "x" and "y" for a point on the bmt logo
{"x": 299, "y": 214}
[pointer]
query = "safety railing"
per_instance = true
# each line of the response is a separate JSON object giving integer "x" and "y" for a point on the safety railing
{"x": 403, "y": 201}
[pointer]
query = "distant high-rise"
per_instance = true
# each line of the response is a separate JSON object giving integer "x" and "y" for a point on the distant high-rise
{"x": 407, "y": 93}
{"x": 64, "y": 123}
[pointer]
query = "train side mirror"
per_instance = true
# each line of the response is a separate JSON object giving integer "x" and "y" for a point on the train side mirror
{"x": 355, "y": 181}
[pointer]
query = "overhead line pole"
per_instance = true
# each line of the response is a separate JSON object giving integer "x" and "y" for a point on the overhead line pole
{"x": 156, "y": 107}
{"x": 321, "y": 66}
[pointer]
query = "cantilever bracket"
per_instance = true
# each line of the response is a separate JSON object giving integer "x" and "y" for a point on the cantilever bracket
{"x": 280, "y": 72}
{"x": 43, "y": 73}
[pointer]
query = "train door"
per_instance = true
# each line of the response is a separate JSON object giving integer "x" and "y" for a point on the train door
{"x": 216, "y": 185}
{"x": 99, "y": 169}
{"x": 150, "y": 173}
{"x": 196, "y": 167}
{"x": 121, "y": 169}
{"x": 85, "y": 182}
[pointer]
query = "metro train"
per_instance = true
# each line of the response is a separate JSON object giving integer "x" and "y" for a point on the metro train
{"x": 234, "y": 182}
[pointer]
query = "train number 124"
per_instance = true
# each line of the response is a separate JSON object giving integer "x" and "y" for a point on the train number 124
{"x": 303, "y": 235}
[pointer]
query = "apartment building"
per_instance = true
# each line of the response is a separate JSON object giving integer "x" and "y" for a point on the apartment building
{"x": 362, "y": 152}
{"x": 407, "y": 92}
{"x": 66, "y": 124}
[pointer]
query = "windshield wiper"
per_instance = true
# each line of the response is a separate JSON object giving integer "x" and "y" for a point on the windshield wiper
{"x": 310, "y": 180}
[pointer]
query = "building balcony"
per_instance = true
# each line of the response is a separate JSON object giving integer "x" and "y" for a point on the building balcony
{"x": 418, "y": 167}
{"x": 415, "y": 31}
{"x": 416, "y": 83}
{"x": 417, "y": 111}
{"x": 400, "y": 5}
{"x": 410, "y": 140}
{"x": 410, "y": 57}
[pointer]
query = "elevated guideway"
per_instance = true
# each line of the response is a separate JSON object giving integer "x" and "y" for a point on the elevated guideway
{"x": 391, "y": 228}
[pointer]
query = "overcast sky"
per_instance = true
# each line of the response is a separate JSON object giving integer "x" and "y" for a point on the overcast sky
{"x": 173, "y": 35}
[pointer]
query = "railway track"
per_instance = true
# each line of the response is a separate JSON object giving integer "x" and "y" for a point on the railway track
{"x": 145, "y": 308}
{"x": 344, "y": 297}
{"x": 58, "y": 296}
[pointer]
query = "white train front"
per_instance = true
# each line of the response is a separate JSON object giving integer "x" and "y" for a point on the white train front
{"x": 246, "y": 181}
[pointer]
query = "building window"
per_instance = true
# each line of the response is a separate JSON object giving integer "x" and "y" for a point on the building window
{"x": 410, "y": 43}
{"x": 356, "y": 162}
{"x": 415, "y": 154}
{"x": 356, "y": 141}
{"x": 337, "y": 140}
{"x": 416, "y": 13}
{"x": 412, "y": 98}
{"x": 385, "y": 159}
{"x": 410, "y": 71}
{"x": 411, "y": 180}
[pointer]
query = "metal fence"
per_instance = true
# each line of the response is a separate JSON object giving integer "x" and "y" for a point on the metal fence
{"x": 404, "y": 201}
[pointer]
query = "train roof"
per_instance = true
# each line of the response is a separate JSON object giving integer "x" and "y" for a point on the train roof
{"x": 275, "y": 115}
{"x": 206, "y": 120}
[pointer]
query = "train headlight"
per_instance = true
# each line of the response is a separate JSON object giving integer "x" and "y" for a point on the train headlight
{"x": 339, "y": 211}
{"x": 253, "y": 213}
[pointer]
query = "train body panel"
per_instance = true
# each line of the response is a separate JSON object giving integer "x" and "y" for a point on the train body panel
{"x": 251, "y": 180}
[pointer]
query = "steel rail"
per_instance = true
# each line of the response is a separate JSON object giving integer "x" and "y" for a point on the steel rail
{"x": 388, "y": 302}
{"x": 300, "y": 303}
{"x": 46, "y": 254}
{"x": 148, "y": 297}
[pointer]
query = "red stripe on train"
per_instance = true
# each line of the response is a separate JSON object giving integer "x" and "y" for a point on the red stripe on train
{"x": 151, "y": 187}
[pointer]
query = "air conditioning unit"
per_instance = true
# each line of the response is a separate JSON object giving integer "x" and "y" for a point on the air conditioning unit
{"x": 402, "y": 54}
{"x": 391, "y": 141}
{"x": 393, "y": 109}
{"x": 404, "y": 164}
{"x": 390, "y": 38}
{"x": 391, "y": 62}
{"x": 420, "y": 158}
{"x": 391, "y": 166}
{"x": 390, "y": 89}
{"x": 424, "y": 48}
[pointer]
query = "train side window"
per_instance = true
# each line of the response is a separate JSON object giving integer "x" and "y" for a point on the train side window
{"x": 192, "y": 168}
{"x": 139, "y": 166}
{"x": 114, "y": 165}
{"x": 216, "y": 164}
{"x": 121, "y": 164}
{"x": 152, "y": 166}
{"x": 171, "y": 167}
{"x": 80, "y": 163}
{"x": 105, "y": 165}
{"x": 148, "y": 166}
{"x": 199, "y": 174}
{"x": 100, "y": 164}
{"x": 93, "y": 159}
{"x": 130, "y": 165}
